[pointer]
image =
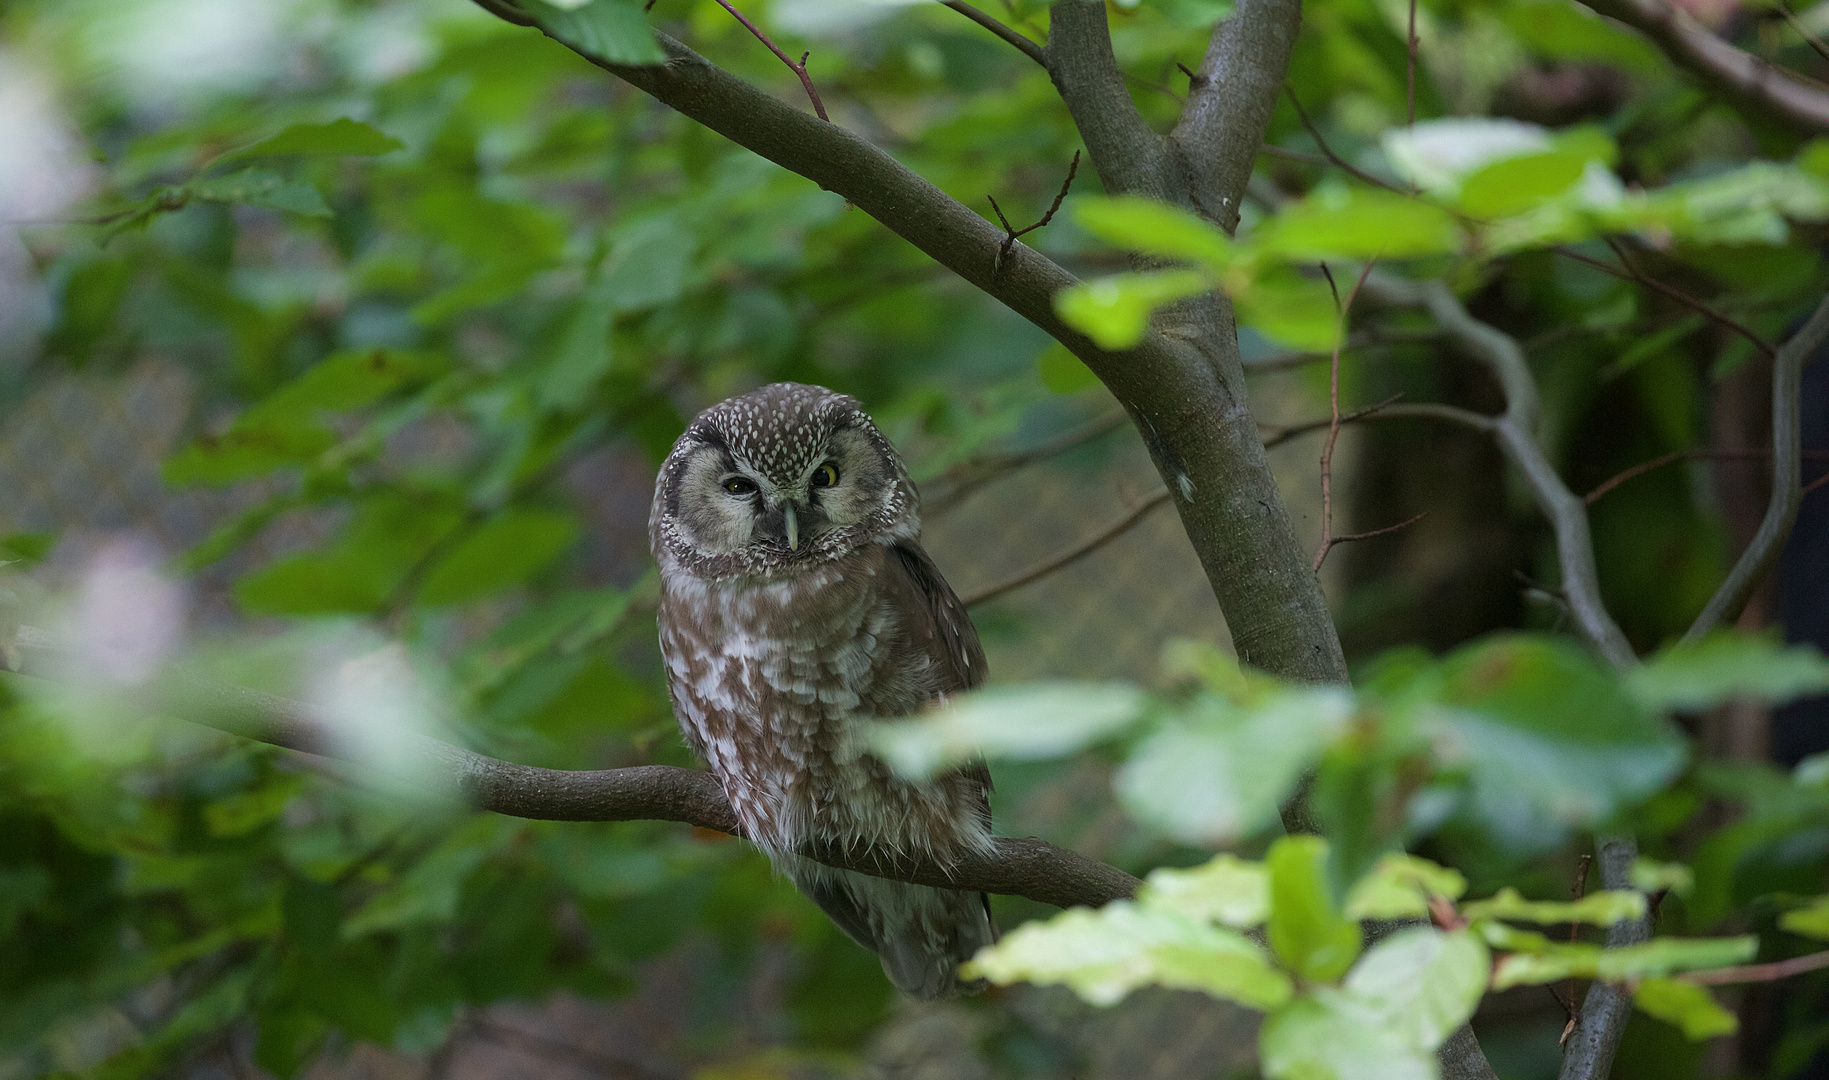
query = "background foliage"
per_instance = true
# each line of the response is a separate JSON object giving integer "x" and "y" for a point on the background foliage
{"x": 442, "y": 293}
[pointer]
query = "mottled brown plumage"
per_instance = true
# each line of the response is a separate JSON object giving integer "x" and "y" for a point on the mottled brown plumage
{"x": 796, "y": 603}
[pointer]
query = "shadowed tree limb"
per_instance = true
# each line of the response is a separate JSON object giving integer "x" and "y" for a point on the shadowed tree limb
{"x": 1020, "y": 867}
{"x": 1787, "y": 476}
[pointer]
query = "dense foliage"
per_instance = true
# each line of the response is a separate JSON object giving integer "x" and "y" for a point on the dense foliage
{"x": 432, "y": 276}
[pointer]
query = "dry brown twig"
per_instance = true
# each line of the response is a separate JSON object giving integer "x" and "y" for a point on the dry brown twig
{"x": 1011, "y": 234}
{"x": 1632, "y": 273}
{"x": 799, "y": 69}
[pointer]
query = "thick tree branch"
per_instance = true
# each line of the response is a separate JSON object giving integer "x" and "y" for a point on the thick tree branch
{"x": 1749, "y": 82}
{"x": 1229, "y": 103}
{"x": 1019, "y": 867}
{"x": 1131, "y": 158}
{"x": 1787, "y": 477}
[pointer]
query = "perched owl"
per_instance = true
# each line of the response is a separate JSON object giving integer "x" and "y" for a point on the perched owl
{"x": 797, "y": 604}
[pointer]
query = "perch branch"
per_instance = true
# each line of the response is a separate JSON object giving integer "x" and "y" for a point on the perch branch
{"x": 1021, "y": 867}
{"x": 1028, "y": 48}
{"x": 1787, "y": 473}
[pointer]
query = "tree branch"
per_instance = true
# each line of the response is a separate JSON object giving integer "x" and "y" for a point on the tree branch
{"x": 1748, "y": 81}
{"x": 1028, "y": 48}
{"x": 1229, "y": 104}
{"x": 1631, "y": 273}
{"x": 1019, "y": 867}
{"x": 1588, "y": 1054}
{"x": 800, "y": 69}
{"x": 1131, "y": 159}
{"x": 1787, "y": 474}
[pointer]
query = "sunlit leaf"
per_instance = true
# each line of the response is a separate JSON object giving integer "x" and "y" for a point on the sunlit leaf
{"x": 1422, "y": 983}
{"x": 340, "y": 136}
{"x": 1218, "y": 770}
{"x": 1690, "y": 1007}
{"x": 1811, "y": 921}
{"x": 1105, "y": 954}
{"x": 1436, "y": 155}
{"x": 258, "y": 187}
{"x": 1115, "y": 311}
{"x": 1023, "y": 722}
{"x": 1602, "y": 908}
{"x": 1154, "y": 228}
{"x": 1329, "y": 1036}
{"x": 1400, "y": 886}
{"x": 1536, "y": 959}
{"x": 1513, "y": 184}
{"x": 1725, "y": 665}
{"x": 1307, "y": 931}
{"x": 1225, "y": 890}
{"x": 1359, "y": 223}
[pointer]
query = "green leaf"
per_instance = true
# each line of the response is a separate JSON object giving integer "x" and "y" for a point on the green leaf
{"x": 1812, "y": 921}
{"x": 1219, "y": 769}
{"x": 1515, "y": 184}
{"x": 1649, "y": 876}
{"x": 1115, "y": 311}
{"x": 427, "y": 893}
{"x": 1329, "y": 1036}
{"x": 1436, "y": 155}
{"x": 1307, "y": 931}
{"x": 506, "y": 550}
{"x": 612, "y": 30}
{"x": 240, "y": 453}
{"x": 1294, "y": 311}
{"x": 258, "y": 187}
{"x": 1105, "y": 954}
{"x": 1062, "y": 372}
{"x": 347, "y": 380}
{"x": 1400, "y": 886}
{"x": 1422, "y": 983}
{"x": 1602, "y": 908}
{"x": 1691, "y": 677}
{"x": 1337, "y": 222}
{"x": 342, "y": 136}
{"x": 1546, "y": 735}
{"x": 1690, "y": 1007}
{"x": 1154, "y": 228}
{"x": 1024, "y": 723}
{"x": 1224, "y": 890}
{"x": 1536, "y": 959}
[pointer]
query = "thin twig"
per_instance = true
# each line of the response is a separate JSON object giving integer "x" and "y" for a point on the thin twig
{"x": 1335, "y": 159}
{"x": 1568, "y": 1002}
{"x": 1815, "y": 43}
{"x": 1662, "y": 460}
{"x": 799, "y": 69}
{"x": 1084, "y": 548}
{"x": 1777, "y": 969}
{"x": 1371, "y": 339}
{"x": 1285, "y": 433}
{"x": 968, "y": 476}
{"x": 1631, "y": 273}
{"x": 1342, "y": 311}
{"x": 1028, "y": 48}
{"x": 1410, "y": 71}
{"x": 1350, "y": 537}
{"x": 1787, "y": 473}
{"x": 1011, "y": 235}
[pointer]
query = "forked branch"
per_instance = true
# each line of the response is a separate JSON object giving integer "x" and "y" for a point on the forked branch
{"x": 799, "y": 68}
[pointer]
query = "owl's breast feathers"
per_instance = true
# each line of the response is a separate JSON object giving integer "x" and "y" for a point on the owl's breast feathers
{"x": 772, "y": 677}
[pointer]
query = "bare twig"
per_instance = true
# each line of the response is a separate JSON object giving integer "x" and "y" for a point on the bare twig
{"x": 1072, "y": 555}
{"x": 1777, "y": 969}
{"x": 1567, "y": 997}
{"x": 1328, "y": 152}
{"x": 1011, "y": 234}
{"x": 1369, "y": 340}
{"x": 1367, "y": 535}
{"x": 968, "y": 476}
{"x": 1410, "y": 70}
{"x": 1028, "y": 48}
{"x": 1743, "y": 78}
{"x": 1631, "y": 273}
{"x": 1787, "y": 472}
{"x": 799, "y": 69}
{"x": 1810, "y": 39}
{"x": 1662, "y": 460}
{"x": 1285, "y": 433}
{"x": 1024, "y": 867}
{"x": 1814, "y": 484}
{"x": 1342, "y": 311}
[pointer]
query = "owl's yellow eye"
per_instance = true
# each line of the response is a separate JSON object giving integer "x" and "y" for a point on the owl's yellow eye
{"x": 738, "y": 485}
{"x": 826, "y": 475}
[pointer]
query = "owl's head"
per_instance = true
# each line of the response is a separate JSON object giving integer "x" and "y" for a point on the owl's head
{"x": 782, "y": 477}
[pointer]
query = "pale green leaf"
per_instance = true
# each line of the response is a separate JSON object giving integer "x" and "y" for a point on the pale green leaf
{"x": 505, "y": 550}
{"x": 1512, "y": 185}
{"x": 1436, "y": 155}
{"x": 258, "y": 187}
{"x": 1536, "y": 959}
{"x": 1328, "y": 1036}
{"x": 1422, "y": 983}
{"x": 1154, "y": 228}
{"x": 342, "y": 136}
{"x": 1691, "y": 677}
{"x": 1649, "y": 876}
{"x": 1025, "y": 722}
{"x": 1115, "y": 311}
{"x": 1103, "y": 955}
{"x": 1690, "y": 1007}
{"x": 1358, "y": 223}
{"x": 1225, "y": 890}
{"x": 616, "y": 31}
{"x": 1293, "y": 310}
{"x": 1400, "y": 886}
{"x": 1599, "y": 908}
{"x": 1812, "y": 921}
{"x": 1307, "y": 931}
{"x": 1219, "y": 770}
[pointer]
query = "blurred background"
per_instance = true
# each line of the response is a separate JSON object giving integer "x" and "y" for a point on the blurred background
{"x": 418, "y": 386}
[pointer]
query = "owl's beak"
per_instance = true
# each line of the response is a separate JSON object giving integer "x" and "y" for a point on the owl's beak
{"x": 793, "y": 526}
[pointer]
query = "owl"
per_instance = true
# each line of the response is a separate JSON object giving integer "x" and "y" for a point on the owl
{"x": 796, "y": 606}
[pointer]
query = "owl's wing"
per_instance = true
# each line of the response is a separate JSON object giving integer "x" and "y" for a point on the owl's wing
{"x": 941, "y": 628}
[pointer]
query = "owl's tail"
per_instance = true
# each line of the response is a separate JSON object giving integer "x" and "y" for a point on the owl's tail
{"x": 921, "y": 934}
